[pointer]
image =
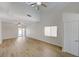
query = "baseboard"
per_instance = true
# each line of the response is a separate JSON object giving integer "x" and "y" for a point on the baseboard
{"x": 44, "y": 42}
{"x": 36, "y": 39}
{"x": 63, "y": 50}
{"x": 9, "y": 38}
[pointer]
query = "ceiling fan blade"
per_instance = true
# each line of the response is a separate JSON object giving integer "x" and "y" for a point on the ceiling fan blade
{"x": 33, "y": 4}
{"x": 44, "y": 5}
{"x": 29, "y": 15}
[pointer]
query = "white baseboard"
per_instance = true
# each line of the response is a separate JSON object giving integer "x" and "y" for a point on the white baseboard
{"x": 47, "y": 41}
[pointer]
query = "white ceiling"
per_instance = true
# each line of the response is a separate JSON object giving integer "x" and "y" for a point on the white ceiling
{"x": 14, "y": 11}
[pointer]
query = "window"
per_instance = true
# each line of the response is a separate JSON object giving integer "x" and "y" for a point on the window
{"x": 50, "y": 31}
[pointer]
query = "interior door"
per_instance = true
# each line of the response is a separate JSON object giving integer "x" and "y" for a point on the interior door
{"x": 68, "y": 37}
{"x": 75, "y": 38}
{"x": 71, "y": 44}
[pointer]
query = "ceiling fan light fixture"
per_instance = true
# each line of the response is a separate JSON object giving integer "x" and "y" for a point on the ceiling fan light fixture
{"x": 19, "y": 24}
{"x": 38, "y": 3}
{"x": 33, "y": 5}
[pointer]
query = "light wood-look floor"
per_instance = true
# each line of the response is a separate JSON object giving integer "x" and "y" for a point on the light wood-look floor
{"x": 27, "y": 47}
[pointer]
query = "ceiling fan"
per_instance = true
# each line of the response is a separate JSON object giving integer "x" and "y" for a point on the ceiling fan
{"x": 36, "y": 4}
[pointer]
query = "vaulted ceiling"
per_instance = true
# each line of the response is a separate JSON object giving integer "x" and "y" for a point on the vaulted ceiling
{"x": 17, "y": 11}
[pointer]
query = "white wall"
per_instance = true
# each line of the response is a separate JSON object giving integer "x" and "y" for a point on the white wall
{"x": 72, "y": 7}
{"x": 51, "y": 17}
{"x": 35, "y": 30}
{"x": 9, "y": 30}
{"x": 47, "y": 19}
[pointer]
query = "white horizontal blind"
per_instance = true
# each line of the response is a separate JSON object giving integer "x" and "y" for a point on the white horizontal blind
{"x": 50, "y": 31}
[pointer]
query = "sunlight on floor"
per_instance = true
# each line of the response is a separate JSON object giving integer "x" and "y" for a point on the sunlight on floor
{"x": 19, "y": 43}
{"x": 20, "y": 39}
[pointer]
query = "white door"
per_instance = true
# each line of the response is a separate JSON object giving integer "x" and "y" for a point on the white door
{"x": 68, "y": 37}
{"x": 76, "y": 38}
{"x": 71, "y": 38}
